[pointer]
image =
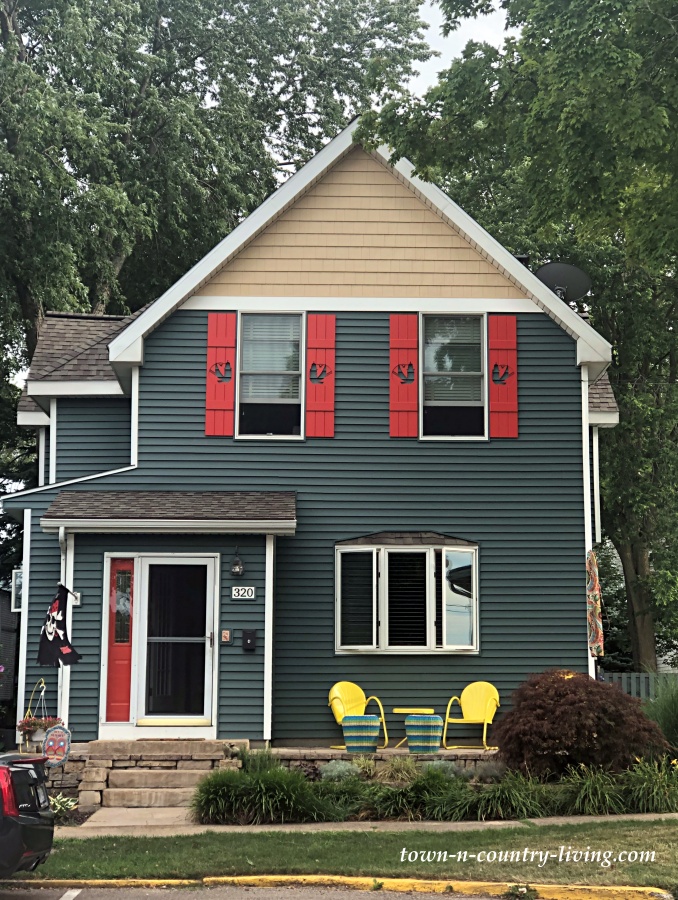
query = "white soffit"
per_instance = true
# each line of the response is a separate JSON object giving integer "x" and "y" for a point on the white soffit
{"x": 592, "y": 348}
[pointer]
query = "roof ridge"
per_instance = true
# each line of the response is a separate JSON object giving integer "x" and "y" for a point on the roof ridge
{"x": 57, "y": 314}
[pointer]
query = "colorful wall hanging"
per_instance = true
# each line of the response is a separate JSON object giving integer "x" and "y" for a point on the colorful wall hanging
{"x": 55, "y": 647}
{"x": 594, "y": 606}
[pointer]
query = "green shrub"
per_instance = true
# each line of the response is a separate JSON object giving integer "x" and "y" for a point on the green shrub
{"x": 61, "y": 806}
{"x": 339, "y": 770}
{"x": 399, "y": 769}
{"x": 366, "y": 765}
{"x": 258, "y": 761}
{"x": 219, "y": 798}
{"x": 457, "y": 803}
{"x": 514, "y": 797}
{"x": 273, "y": 796}
{"x": 664, "y": 708}
{"x": 452, "y": 770}
{"x": 591, "y": 791}
{"x": 489, "y": 772}
{"x": 651, "y": 786}
{"x": 564, "y": 719}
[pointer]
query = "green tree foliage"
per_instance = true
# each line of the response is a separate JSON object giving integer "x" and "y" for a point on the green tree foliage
{"x": 135, "y": 134}
{"x": 563, "y": 144}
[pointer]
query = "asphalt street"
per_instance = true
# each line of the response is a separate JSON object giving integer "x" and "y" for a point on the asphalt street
{"x": 214, "y": 893}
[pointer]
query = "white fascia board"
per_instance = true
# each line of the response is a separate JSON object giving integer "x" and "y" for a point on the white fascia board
{"x": 203, "y": 270}
{"x": 603, "y": 419}
{"x": 171, "y": 526}
{"x": 32, "y": 419}
{"x": 60, "y": 484}
{"x": 596, "y": 345}
{"x": 74, "y": 388}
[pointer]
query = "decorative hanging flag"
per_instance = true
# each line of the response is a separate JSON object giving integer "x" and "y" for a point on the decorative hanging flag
{"x": 56, "y": 746}
{"x": 55, "y": 647}
{"x": 594, "y": 606}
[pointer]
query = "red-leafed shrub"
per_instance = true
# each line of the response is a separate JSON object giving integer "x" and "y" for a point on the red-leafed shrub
{"x": 562, "y": 719}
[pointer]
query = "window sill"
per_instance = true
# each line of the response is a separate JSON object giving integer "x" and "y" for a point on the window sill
{"x": 466, "y": 437}
{"x": 439, "y": 651}
{"x": 270, "y": 437}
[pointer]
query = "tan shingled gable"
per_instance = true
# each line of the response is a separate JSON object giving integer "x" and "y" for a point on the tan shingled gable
{"x": 360, "y": 231}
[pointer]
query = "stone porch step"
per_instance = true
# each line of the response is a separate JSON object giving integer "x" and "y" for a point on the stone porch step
{"x": 147, "y": 797}
{"x": 155, "y": 778}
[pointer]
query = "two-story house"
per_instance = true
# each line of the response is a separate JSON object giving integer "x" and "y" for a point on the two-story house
{"x": 358, "y": 440}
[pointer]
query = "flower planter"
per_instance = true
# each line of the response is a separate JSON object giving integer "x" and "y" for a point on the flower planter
{"x": 423, "y": 733}
{"x": 37, "y": 738}
{"x": 361, "y": 733}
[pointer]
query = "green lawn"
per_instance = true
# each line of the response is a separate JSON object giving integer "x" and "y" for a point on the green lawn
{"x": 376, "y": 854}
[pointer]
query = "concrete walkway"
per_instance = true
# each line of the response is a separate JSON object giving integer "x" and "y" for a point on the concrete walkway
{"x": 162, "y": 822}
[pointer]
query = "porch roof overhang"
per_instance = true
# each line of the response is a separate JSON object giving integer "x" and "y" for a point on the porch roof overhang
{"x": 185, "y": 512}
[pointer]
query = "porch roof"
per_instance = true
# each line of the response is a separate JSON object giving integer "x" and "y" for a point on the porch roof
{"x": 233, "y": 512}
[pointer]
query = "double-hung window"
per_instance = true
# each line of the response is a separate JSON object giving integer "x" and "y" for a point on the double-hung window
{"x": 270, "y": 383}
{"x": 453, "y": 389}
{"x": 407, "y": 599}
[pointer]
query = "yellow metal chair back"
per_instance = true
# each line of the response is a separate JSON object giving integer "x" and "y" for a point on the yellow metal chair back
{"x": 348, "y": 699}
{"x": 479, "y": 702}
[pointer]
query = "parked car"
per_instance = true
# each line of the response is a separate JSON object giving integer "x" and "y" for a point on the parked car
{"x": 26, "y": 820}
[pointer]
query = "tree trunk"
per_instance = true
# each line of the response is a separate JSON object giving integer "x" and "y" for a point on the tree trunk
{"x": 32, "y": 314}
{"x": 635, "y": 560}
{"x": 101, "y": 295}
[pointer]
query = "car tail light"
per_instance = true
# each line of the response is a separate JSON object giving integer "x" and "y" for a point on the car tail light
{"x": 9, "y": 804}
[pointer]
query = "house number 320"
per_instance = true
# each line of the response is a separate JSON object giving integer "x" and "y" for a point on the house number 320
{"x": 239, "y": 592}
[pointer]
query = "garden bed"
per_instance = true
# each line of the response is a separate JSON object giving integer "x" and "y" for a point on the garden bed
{"x": 263, "y": 792}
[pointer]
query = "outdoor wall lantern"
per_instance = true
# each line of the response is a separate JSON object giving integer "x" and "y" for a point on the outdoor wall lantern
{"x": 237, "y": 567}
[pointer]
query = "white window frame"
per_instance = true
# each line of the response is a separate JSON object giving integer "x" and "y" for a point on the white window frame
{"x": 380, "y": 600}
{"x": 17, "y": 579}
{"x": 302, "y": 364}
{"x": 484, "y": 373}
{"x": 375, "y": 607}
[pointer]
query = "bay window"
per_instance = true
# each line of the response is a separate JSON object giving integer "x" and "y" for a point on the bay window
{"x": 402, "y": 598}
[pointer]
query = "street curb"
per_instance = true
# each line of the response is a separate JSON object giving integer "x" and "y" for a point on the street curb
{"x": 411, "y": 885}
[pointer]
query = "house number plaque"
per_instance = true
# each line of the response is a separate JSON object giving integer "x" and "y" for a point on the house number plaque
{"x": 240, "y": 592}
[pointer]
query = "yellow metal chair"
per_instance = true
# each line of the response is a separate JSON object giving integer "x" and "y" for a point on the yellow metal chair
{"x": 347, "y": 699}
{"x": 479, "y": 702}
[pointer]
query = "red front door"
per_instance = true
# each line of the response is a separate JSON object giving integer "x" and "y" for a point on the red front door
{"x": 119, "y": 679}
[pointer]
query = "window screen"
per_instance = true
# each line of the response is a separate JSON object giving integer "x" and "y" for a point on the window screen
{"x": 453, "y": 390}
{"x": 270, "y": 375}
{"x": 407, "y": 600}
{"x": 357, "y": 599}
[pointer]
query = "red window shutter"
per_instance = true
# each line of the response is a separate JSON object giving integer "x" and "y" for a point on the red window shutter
{"x": 503, "y": 375}
{"x": 404, "y": 377}
{"x": 220, "y": 384}
{"x": 119, "y": 671}
{"x": 320, "y": 380}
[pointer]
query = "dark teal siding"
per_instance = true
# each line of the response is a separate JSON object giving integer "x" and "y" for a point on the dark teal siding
{"x": 93, "y": 435}
{"x": 520, "y": 500}
{"x": 241, "y": 674}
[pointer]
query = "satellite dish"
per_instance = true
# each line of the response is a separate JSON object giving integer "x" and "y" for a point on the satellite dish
{"x": 566, "y": 281}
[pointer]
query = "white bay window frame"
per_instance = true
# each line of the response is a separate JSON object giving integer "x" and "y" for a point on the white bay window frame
{"x": 380, "y": 600}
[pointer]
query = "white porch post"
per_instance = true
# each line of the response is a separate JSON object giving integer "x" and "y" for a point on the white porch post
{"x": 586, "y": 460}
{"x": 268, "y": 637}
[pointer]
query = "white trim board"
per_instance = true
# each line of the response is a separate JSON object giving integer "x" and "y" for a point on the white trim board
{"x": 23, "y": 637}
{"x": 51, "y": 475}
{"x": 603, "y": 419}
{"x": 171, "y": 526}
{"x": 127, "y": 346}
{"x": 74, "y": 388}
{"x": 451, "y": 305}
{"x": 33, "y": 419}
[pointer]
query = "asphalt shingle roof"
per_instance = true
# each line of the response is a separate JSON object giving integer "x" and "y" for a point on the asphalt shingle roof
{"x": 195, "y": 505}
{"x": 27, "y": 404}
{"x": 601, "y": 397}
